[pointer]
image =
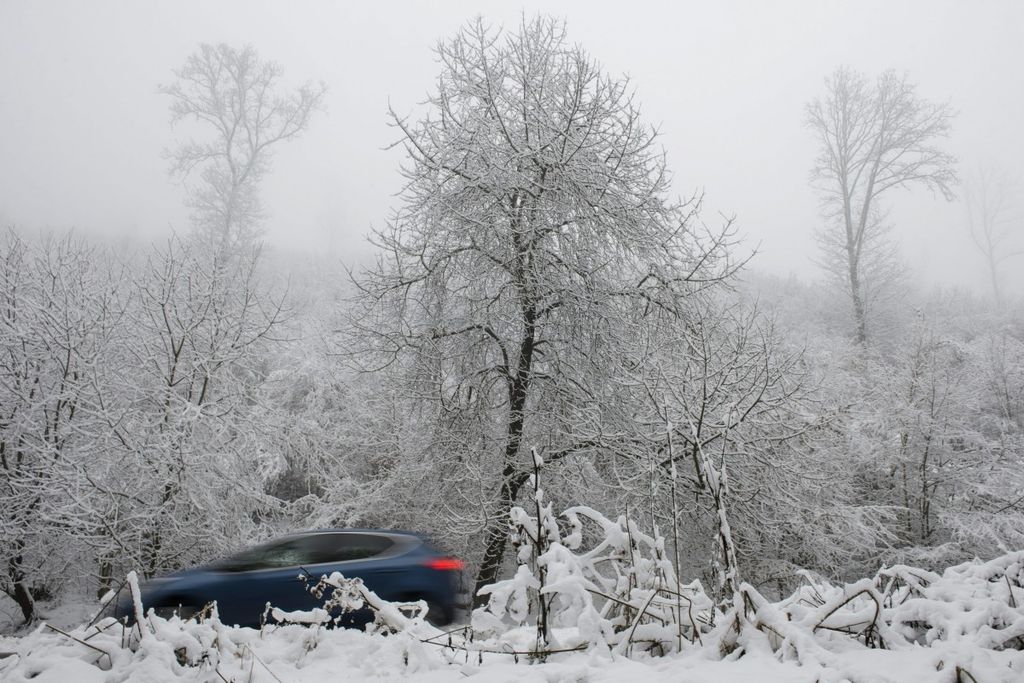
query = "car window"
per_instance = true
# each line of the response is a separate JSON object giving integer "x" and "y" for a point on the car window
{"x": 307, "y": 550}
{"x": 268, "y": 556}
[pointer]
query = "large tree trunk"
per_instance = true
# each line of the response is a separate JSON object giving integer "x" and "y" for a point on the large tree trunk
{"x": 512, "y": 478}
{"x": 19, "y": 589}
{"x": 860, "y": 321}
{"x": 26, "y": 603}
{"x": 496, "y": 539}
{"x": 857, "y": 295}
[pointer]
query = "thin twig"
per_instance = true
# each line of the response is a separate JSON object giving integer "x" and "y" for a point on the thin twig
{"x": 249, "y": 648}
{"x": 79, "y": 640}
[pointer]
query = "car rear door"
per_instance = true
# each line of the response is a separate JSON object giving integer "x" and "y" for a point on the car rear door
{"x": 380, "y": 559}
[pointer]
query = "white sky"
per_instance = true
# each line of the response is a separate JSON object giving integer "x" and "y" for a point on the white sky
{"x": 82, "y": 125}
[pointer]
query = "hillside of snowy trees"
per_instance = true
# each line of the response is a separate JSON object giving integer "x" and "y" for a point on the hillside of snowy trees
{"x": 546, "y": 327}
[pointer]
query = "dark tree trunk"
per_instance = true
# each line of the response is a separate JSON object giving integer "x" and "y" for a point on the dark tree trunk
{"x": 106, "y": 577}
{"x": 19, "y": 591}
{"x": 23, "y": 598}
{"x": 512, "y": 478}
{"x": 496, "y": 540}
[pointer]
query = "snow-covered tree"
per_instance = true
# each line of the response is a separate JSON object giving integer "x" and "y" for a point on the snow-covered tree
{"x": 535, "y": 222}
{"x": 953, "y": 467}
{"x": 59, "y": 311}
{"x": 188, "y": 458}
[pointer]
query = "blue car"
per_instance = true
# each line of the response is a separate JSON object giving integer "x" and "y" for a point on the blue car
{"x": 398, "y": 566}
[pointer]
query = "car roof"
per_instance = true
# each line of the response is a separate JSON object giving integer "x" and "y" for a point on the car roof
{"x": 359, "y": 530}
{"x": 411, "y": 535}
{"x": 429, "y": 542}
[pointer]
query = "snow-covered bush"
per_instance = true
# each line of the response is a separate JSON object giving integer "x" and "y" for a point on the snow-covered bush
{"x": 343, "y": 596}
{"x": 620, "y": 593}
{"x": 970, "y": 617}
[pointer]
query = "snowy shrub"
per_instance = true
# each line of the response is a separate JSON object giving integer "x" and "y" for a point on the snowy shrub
{"x": 971, "y": 617}
{"x": 620, "y": 594}
{"x": 344, "y": 596}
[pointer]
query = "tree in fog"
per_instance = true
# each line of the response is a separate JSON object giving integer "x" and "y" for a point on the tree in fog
{"x": 733, "y": 431}
{"x": 237, "y": 99}
{"x": 204, "y": 323}
{"x": 535, "y": 223}
{"x": 189, "y": 420}
{"x": 872, "y": 137}
{"x": 991, "y": 222}
{"x": 933, "y": 437}
{"x": 59, "y": 315}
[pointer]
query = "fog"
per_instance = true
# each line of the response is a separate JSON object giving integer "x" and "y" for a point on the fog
{"x": 634, "y": 422}
{"x": 83, "y": 127}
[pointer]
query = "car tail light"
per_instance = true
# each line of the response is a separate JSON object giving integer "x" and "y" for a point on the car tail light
{"x": 445, "y": 564}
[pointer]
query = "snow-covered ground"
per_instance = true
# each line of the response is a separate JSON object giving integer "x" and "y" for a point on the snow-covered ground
{"x": 302, "y": 655}
{"x": 965, "y": 625}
